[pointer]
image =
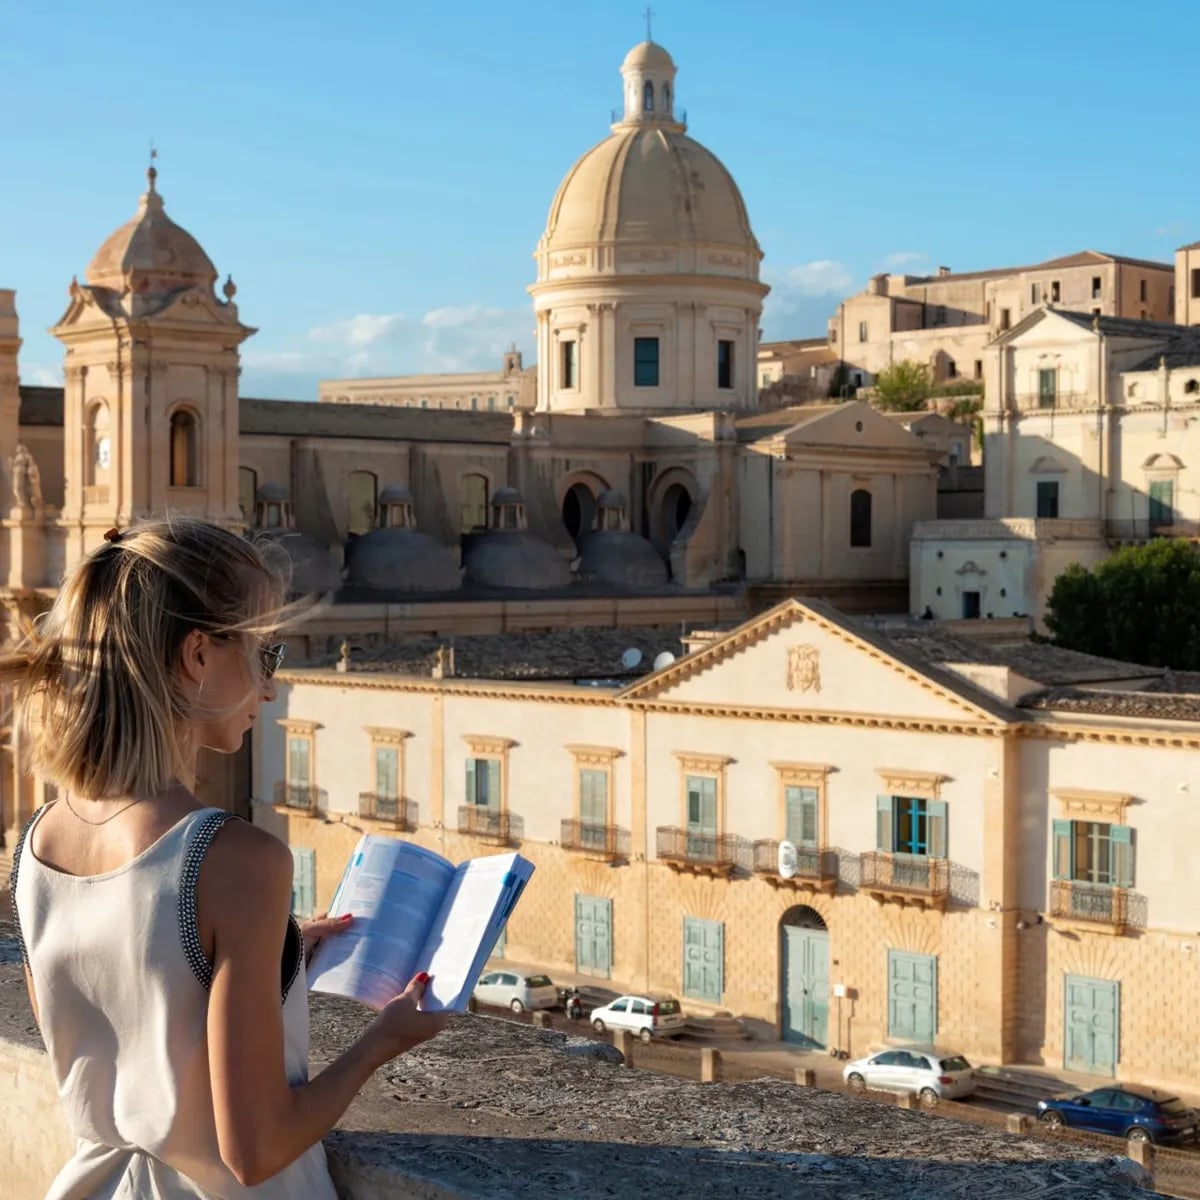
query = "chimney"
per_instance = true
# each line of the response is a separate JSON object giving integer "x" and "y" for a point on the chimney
{"x": 943, "y": 271}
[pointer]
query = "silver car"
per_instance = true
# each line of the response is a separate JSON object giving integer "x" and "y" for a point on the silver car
{"x": 932, "y": 1075}
{"x": 507, "y": 989}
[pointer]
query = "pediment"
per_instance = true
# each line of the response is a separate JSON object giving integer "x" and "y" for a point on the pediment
{"x": 856, "y": 425}
{"x": 805, "y": 657}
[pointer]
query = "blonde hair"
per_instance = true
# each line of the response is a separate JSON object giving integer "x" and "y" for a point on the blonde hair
{"x": 96, "y": 681}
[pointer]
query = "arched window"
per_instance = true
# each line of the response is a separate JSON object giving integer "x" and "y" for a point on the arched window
{"x": 185, "y": 468}
{"x": 99, "y": 448}
{"x": 247, "y": 486}
{"x": 648, "y": 97}
{"x": 666, "y": 97}
{"x": 361, "y": 490}
{"x": 474, "y": 502}
{"x": 579, "y": 510}
{"x": 860, "y": 517}
{"x": 1192, "y": 387}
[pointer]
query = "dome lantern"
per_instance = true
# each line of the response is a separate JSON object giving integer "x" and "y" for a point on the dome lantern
{"x": 648, "y": 73}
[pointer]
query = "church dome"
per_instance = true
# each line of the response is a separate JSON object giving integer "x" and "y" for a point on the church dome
{"x": 150, "y": 252}
{"x": 612, "y": 554}
{"x": 314, "y": 570}
{"x": 648, "y": 54}
{"x": 508, "y": 555}
{"x": 397, "y": 556}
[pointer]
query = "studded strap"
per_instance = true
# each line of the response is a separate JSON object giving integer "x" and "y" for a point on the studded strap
{"x": 12, "y": 882}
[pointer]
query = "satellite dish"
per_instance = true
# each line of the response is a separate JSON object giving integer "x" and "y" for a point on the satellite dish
{"x": 665, "y": 659}
{"x": 787, "y": 860}
{"x": 631, "y": 658}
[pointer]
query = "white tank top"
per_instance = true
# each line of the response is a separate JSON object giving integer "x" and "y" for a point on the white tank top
{"x": 122, "y": 983}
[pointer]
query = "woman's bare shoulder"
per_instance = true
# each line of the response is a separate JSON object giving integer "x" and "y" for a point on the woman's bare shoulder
{"x": 246, "y": 854}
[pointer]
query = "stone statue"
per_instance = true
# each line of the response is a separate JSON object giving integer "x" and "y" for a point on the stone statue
{"x": 26, "y": 479}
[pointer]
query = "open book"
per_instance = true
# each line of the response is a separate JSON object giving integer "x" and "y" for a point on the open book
{"x": 415, "y": 911}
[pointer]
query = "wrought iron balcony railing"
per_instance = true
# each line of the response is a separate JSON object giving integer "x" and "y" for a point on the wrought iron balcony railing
{"x": 817, "y": 867}
{"x": 1095, "y": 902}
{"x": 394, "y": 810}
{"x": 911, "y": 877}
{"x": 479, "y": 821}
{"x": 692, "y": 850}
{"x": 300, "y": 797}
{"x": 600, "y": 841}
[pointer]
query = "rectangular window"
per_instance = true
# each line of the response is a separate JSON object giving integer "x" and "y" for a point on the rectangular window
{"x": 911, "y": 825}
{"x": 860, "y": 518}
{"x": 766, "y": 380}
{"x": 724, "y": 363}
{"x": 593, "y": 808}
{"x": 701, "y": 804}
{"x": 387, "y": 772}
{"x": 1093, "y": 852}
{"x": 1095, "y": 312}
{"x": 1097, "y": 287}
{"x": 1162, "y": 503}
{"x": 1196, "y": 283}
{"x": 1047, "y": 499}
{"x": 1005, "y": 319}
{"x": 304, "y": 882}
{"x": 801, "y": 807}
{"x": 1047, "y": 387}
{"x": 483, "y": 783}
{"x": 645, "y": 362}
{"x": 1034, "y": 294}
{"x": 951, "y": 369}
{"x": 299, "y": 761}
{"x": 568, "y": 373}
{"x": 979, "y": 368}
{"x": 703, "y": 959}
{"x": 1055, "y": 291}
{"x": 833, "y": 337}
{"x": 1142, "y": 291}
{"x": 939, "y": 315}
{"x": 862, "y": 331}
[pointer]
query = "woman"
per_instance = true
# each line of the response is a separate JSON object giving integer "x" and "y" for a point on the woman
{"x": 163, "y": 967}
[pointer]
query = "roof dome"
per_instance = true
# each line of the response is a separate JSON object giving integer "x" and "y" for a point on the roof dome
{"x": 648, "y": 55}
{"x": 503, "y": 558}
{"x": 150, "y": 252}
{"x": 401, "y": 560}
{"x": 314, "y": 570}
{"x": 622, "y": 558}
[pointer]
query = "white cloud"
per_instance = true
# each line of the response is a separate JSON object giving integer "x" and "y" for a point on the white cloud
{"x": 822, "y": 277}
{"x": 443, "y": 340}
{"x": 39, "y": 375}
{"x": 903, "y": 258}
{"x": 803, "y": 297}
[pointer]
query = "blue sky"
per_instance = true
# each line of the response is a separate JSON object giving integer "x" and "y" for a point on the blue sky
{"x": 376, "y": 175}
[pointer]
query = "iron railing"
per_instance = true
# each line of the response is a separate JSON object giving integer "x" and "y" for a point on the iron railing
{"x": 590, "y": 838}
{"x": 1096, "y": 902}
{"x": 300, "y": 796}
{"x": 906, "y": 874}
{"x": 372, "y": 806}
{"x": 691, "y": 847}
{"x": 480, "y": 821}
{"x": 813, "y": 864}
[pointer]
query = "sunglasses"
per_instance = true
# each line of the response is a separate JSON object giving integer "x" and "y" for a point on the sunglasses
{"x": 270, "y": 657}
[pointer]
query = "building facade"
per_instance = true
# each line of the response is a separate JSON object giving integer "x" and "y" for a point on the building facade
{"x": 983, "y": 861}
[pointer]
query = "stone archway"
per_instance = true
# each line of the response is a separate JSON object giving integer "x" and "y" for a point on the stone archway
{"x": 804, "y": 977}
{"x": 578, "y": 510}
{"x": 669, "y": 505}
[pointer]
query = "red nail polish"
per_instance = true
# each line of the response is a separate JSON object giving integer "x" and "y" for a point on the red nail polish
{"x": 346, "y": 918}
{"x": 423, "y": 977}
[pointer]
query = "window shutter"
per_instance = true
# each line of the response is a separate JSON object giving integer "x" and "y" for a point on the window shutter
{"x": 883, "y": 824}
{"x": 492, "y": 800}
{"x": 1062, "y": 850}
{"x": 472, "y": 798}
{"x": 935, "y": 828}
{"x": 304, "y": 881}
{"x": 1120, "y": 850}
{"x": 802, "y": 816}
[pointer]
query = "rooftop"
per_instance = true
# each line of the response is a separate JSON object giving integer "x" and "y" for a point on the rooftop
{"x": 1145, "y": 704}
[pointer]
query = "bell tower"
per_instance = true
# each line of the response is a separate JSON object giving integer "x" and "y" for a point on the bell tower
{"x": 150, "y": 410}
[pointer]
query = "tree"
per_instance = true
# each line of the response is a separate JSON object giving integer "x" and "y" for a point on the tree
{"x": 904, "y": 386}
{"x": 1139, "y": 605}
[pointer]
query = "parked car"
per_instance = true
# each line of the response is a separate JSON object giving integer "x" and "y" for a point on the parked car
{"x": 1140, "y": 1114}
{"x": 931, "y": 1074}
{"x": 647, "y": 1016}
{"x": 507, "y": 989}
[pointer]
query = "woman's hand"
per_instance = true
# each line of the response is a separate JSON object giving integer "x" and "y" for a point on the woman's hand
{"x": 320, "y": 926}
{"x": 401, "y": 1024}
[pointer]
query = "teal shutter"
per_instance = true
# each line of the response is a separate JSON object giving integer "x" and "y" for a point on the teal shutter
{"x": 304, "y": 881}
{"x": 801, "y": 816}
{"x": 884, "y": 839}
{"x": 472, "y": 798}
{"x": 299, "y": 762}
{"x": 387, "y": 772}
{"x": 1120, "y": 852}
{"x": 935, "y": 829}
{"x": 702, "y": 804}
{"x": 1062, "y": 850}
{"x": 492, "y": 796}
{"x": 593, "y": 797}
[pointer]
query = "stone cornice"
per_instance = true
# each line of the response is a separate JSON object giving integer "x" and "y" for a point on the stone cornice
{"x": 1084, "y": 804}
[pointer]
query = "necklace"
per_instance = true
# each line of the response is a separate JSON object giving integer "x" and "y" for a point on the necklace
{"x": 106, "y": 820}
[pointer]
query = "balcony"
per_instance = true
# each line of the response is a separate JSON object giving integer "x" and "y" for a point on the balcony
{"x": 1055, "y": 402}
{"x": 699, "y": 853}
{"x": 604, "y": 842}
{"x": 816, "y": 870}
{"x": 1094, "y": 906}
{"x": 487, "y": 824}
{"x": 394, "y": 811}
{"x": 906, "y": 879}
{"x": 96, "y": 494}
{"x": 301, "y": 798}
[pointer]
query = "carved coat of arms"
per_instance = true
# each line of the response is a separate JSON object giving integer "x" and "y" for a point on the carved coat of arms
{"x": 804, "y": 669}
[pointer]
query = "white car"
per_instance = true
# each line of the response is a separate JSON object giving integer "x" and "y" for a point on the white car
{"x": 647, "y": 1016}
{"x": 507, "y": 989}
{"x": 933, "y": 1076}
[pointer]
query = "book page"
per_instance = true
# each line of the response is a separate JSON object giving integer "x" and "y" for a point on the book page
{"x": 394, "y": 890}
{"x": 478, "y": 901}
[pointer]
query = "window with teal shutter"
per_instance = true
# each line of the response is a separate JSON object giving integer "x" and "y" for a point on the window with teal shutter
{"x": 593, "y": 797}
{"x": 801, "y": 805}
{"x": 304, "y": 881}
{"x": 702, "y": 804}
{"x": 483, "y": 782}
{"x": 1093, "y": 852}
{"x": 387, "y": 772}
{"x": 911, "y": 825}
{"x": 299, "y": 761}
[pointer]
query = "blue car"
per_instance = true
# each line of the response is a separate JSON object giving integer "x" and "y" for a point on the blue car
{"x": 1140, "y": 1114}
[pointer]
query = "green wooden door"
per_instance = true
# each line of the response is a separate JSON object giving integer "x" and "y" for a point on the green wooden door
{"x": 304, "y": 882}
{"x": 703, "y": 959}
{"x": 1162, "y": 503}
{"x": 805, "y": 985}
{"x": 912, "y": 996}
{"x": 593, "y": 936}
{"x": 1091, "y": 1022}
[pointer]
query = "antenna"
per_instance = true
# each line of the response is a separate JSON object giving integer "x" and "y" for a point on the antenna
{"x": 665, "y": 659}
{"x": 631, "y": 658}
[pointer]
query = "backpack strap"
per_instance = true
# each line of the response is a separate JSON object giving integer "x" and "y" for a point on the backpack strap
{"x": 12, "y": 881}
